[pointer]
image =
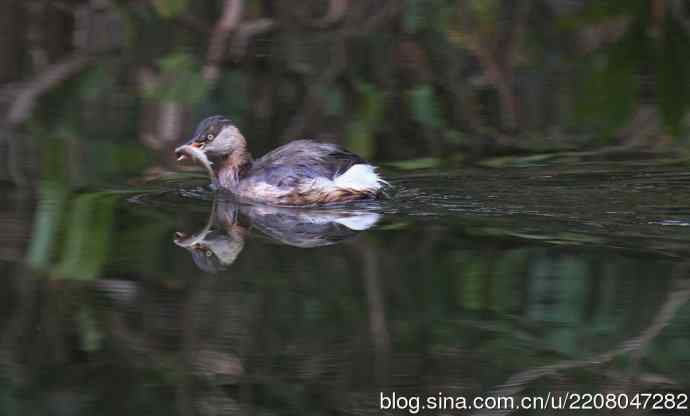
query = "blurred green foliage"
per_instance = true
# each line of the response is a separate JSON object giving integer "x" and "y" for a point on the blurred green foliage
{"x": 170, "y": 8}
{"x": 424, "y": 107}
{"x": 361, "y": 129}
{"x": 427, "y": 79}
{"x": 616, "y": 75}
{"x": 181, "y": 80}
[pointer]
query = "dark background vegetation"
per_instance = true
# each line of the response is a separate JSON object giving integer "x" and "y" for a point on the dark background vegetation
{"x": 422, "y": 81}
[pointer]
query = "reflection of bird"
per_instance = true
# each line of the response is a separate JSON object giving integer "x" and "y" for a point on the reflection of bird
{"x": 302, "y": 172}
{"x": 218, "y": 244}
{"x": 214, "y": 249}
{"x": 308, "y": 228}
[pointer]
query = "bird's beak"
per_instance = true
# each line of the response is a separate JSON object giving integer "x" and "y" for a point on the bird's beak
{"x": 182, "y": 154}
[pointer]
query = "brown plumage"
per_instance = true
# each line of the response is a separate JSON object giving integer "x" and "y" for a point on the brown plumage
{"x": 302, "y": 172}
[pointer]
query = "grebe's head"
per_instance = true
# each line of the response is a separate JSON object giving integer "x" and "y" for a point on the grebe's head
{"x": 215, "y": 136}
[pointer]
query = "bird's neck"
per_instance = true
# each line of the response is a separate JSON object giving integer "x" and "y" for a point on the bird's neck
{"x": 233, "y": 167}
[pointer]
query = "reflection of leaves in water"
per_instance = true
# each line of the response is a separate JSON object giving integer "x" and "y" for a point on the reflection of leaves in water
{"x": 670, "y": 352}
{"x": 572, "y": 273}
{"x": 88, "y": 236}
{"x": 91, "y": 336}
{"x": 475, "y": 277}
{"x": 507, "y": 267}
{"x": 52, "y": 197}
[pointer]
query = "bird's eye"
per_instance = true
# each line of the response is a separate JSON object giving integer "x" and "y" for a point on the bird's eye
{"x": 209, "y": 253}
{"x": 209, "y": 137}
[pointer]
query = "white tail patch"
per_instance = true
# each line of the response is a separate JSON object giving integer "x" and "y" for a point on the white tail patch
{"x": 359, "y": 177}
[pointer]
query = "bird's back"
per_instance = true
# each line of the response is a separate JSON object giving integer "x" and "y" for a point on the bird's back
{"x": 301, "y": 172}
{"x": 303, "y": 159}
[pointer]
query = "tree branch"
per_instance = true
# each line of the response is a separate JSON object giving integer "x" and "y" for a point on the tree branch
{"x": 679, "y": 295}
{"x": 228, "y": 22}
{"x": 50, "y": 78}
{"x": 337, "y": 9}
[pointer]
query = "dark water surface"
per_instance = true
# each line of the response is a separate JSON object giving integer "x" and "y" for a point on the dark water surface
{"x": 170, "y": 300}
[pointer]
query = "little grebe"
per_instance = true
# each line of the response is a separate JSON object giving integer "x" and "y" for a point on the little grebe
{"x": 302, "y": 172}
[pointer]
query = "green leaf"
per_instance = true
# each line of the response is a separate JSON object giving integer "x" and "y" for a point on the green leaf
{"x": 47, "y": 223}
{"x": 601, "y": 11}
{"x": 88, "y": 236}
{"x": 183, "y": 81}
{"x": 335, "y": 102}
{"x": 423, "y": 106}
{"x": 608, "y": 93}
{"x": 359, "y": 137}
{"x": 91, "y": 336}
{"x": 175, "y": 62}
{"x": 474, "y": 277}
{"x": 487, "y": 13}
{"x": 170, "y": 8}
{"x": 372, "y": 102}
{"x": 360, "y": 131}
{"x": 97, "y": 81}
{"x": 412, "y": 16}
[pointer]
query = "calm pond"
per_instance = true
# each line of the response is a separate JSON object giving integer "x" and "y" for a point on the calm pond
{"x": 168, "y": 299}
{"x": 534, "y": 243}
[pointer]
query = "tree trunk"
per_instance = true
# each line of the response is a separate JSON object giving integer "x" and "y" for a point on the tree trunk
{"x": 12, "y": 40}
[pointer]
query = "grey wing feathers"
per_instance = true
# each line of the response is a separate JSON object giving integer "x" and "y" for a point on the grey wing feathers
{"x": 302, "y": 160}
